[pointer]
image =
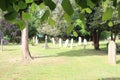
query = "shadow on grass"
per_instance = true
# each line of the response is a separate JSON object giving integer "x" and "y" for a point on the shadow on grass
{"x": 118, "y": 62}
{"x": 113, "y": 78}
{"x": 77, "y": 53}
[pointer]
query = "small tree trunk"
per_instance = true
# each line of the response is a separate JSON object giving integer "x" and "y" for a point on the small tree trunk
{"x": 96, "y": 36}
{"x": 24, "y": 42}
{"x": 111, "y": 35}
{"x": 115, "y": 34}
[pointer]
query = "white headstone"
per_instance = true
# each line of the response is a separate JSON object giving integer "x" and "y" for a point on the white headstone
{"x": 53, "y": 41}
{"x": 79, "y": 40}
{"x": 66, "y": 43}
{"x": 85, "y": 42}
{"x": 71, "y": 43}
{"x": 46, "y": 45}
{"x": 36, "y": 40}
{"x": 1, "y": 44}
{"x": 33, "y": 39}
{"x": 112, "y": 53}
{"x": 60, "y": 42}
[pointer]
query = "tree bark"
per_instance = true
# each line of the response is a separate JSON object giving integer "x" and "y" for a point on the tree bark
{"x": 113, "y": 37}
{"x": 96, "y": 36}
{"x": 24, "y": 43}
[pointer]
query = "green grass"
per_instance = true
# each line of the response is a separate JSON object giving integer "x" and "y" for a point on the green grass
{"x": 58, "y": 64}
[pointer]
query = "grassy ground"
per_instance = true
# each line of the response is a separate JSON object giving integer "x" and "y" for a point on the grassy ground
{"x": 58, "y": 64}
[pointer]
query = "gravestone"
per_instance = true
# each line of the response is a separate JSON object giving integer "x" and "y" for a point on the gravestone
{"x": 1, "y": 44}
{"x": 36, "y": 40}
{"x": 33, "y": 39}
{"x": 79, "y": 40}
{"x": 1, "y": 35}
{"x": 53, "y": 41}
{"x": 71, "y": 43}
{"x": 60, "y": 42}
{"x": 84, "y": 43}
{"x": 112, "y": 53}
{"x": 66, "y": 43}
{"x": 46, "y": 44}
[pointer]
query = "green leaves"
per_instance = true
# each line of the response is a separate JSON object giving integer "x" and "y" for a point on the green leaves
{"x": 20, "y": 24}
{"x": 107, "y": 14}
{"x": 75, "y": 34}
{"x": 67, "y": 7}
{"x": 90, "y": 3}
{"x": 114, "y": 3}
{"x": 50, "y": 4}
{"x": 70, "y": 29}
{"x": 42, "y": 6}
{"x": 22, "y": 5}
{"x": 118, "y": 8}
{"x": 33, "y": 7}
{"x": 51, "y": 22}
{"x": 29, "y": 1}
{"x": 88, "y": 10}
{"x": 45, "y": 15}
{"x": 3, "y": 5}
{"x": 26, "y": 16}
{"x": 82, "y": 3}
{"x": 16, "y": 7}
{"x": 11, "y": 15}
{"x": 67, "y": 18}
{"x": 110, "y": 24}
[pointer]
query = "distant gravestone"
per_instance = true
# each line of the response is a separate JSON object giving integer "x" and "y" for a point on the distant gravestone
{"x": 79, "y": 40}
{"x": 53, "y": 41}
{"x": 1, "y": 44}
{"x": 112, "y": 53}
{"x": 36, "y": 40}
{"x": 1, "y": 35}
{"x": 60, "y": 42}
{"x": 46, "y": 44}
{"x": 33, "y": 39}
{"x": 66, "y": 43}
{"x": 71, "y": 43}
{"x": 84, "y": 43}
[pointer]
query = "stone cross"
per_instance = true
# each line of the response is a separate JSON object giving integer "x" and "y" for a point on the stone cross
{"x": 60, "y": 42}
{"x": 79, "y": 40}
{"x": 66, "y": 43}
{"x": 71, "y": 43}
{"x": 112, "y": 53}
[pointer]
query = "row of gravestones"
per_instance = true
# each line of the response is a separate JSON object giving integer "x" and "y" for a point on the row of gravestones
{"x": 35, "y": 40}
{"x": 111, "y": 48}
{"x": 66, "y": 43}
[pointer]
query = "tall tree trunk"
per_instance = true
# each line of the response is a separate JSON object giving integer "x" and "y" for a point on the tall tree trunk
{"x": 96, "y": 36}
{"x": 111, "y": 35}
{"x": 115, "y": 34}
{"x": 24, "y": 42}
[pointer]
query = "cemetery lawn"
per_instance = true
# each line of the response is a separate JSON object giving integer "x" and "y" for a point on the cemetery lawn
{"x": 58, "y": 64}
